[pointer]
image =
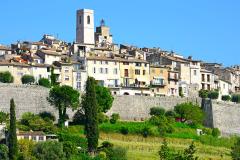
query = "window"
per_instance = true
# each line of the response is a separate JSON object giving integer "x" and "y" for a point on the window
{"x": 144, "y": 72}
{"x": 88, "y": 20}
{"x": 224, "y": 86}
{"x": 66, "y": 78}
{"x": 78, "y": 85}
{"x": 145, "y": 64}
{"x": 208, "y": 78}
{"x": 80, "y": 19}
{"x": 137, "y": 71}
{"x": 40, "y": 138}
{"x": 101, "y": 62}
{"x": 115, "y": 63}
{"x": 106, "y": 70}
{"x": 48, "y": 69}
{"x": 161, "y": 71}
{"x": 78, "y": 76}
{"x": 126, "y": 72}
{"x": 95, "y": 62}
{"x": 125, "y": 63}
{"x": 203, "y": 77}
{"x": 195, "y": 72}
{"x": 138, "y": 64}
{"x": 208, "y": 87}
{"x": 106, "y": 62}
{"x": 34, "y": 138}
{"x": 115, "y": 71}
{"x": 101, "y": 70}
{"x": 66, "y": 70}
{"x": 94, "y": 70}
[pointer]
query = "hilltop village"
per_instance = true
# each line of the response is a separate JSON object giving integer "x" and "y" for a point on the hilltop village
{"x": 124, "y": 69}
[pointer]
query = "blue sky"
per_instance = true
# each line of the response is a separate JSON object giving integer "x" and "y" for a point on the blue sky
{"x": 206, "y": 29}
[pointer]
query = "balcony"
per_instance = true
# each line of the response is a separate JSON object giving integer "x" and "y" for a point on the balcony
{"x": 158, "y": 82}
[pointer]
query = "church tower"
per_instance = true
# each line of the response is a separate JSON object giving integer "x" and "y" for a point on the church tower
{"x": 85, "y": 27}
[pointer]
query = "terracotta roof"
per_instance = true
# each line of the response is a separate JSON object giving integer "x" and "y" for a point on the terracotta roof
{"x": 49, "y": 52}
{"x": 5, "y": 48}
{"x": 117, "y": 59}
{"x": 36, "y": 133}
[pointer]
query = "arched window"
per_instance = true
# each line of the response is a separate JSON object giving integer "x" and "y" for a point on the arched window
{"x": 88, "y": 20}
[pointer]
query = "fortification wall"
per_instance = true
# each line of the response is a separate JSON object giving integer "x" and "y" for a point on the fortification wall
{"x": 28, "y": 98}
{"x": 138, "y": 107}
{"x": 226, "y": 117}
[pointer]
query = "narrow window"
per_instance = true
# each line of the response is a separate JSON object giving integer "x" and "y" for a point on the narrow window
{"x": 80, "y": 19}
{"x": 88, "y": 20}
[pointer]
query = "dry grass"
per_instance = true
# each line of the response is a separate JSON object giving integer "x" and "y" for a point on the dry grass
{"x": 140, "y": 148}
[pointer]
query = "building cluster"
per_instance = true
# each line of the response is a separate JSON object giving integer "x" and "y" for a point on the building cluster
{"x": 124, "y": 69}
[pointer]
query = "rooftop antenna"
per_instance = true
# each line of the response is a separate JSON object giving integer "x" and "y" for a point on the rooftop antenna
{"x": 102, "y": 22}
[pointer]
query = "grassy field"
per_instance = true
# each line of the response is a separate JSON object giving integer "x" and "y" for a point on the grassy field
{"x": 140, "y": 148}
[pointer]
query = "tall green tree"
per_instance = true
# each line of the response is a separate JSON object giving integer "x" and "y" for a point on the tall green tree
{"x": 63, "y": 97}
{"x": 53, "y": 77}
{"x": 90, "y": 106}
{"x": 12, "y": 139}
{"x": 104, "y": 98}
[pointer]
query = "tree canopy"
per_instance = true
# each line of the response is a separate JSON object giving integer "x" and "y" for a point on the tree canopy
{"x": 6, "y": 77}
{"x": 27, "y": 79}
{"x": 189, "y": 112}
{"x": 104, "y": 98}
{"x": 63, "y": 97}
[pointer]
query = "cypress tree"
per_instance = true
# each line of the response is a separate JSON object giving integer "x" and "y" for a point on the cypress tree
{"x": 89, "y": 104}
{"x": 12, "y": 139}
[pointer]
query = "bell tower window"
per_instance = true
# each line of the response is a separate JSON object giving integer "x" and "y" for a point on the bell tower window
{"x": 88, "y": 20}
{"x": 80, "y": 19}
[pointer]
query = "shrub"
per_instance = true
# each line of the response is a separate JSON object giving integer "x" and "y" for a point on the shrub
{"x": 27, "y": 79}
{"x": 124, "y": 130}
{"x": 189, "y": 112}
{"x": 203, "y": 93}
{"x": 3, "y": 152}
{"x": 114, "y": 118}
{"x": 235, "y": 153}
{"x": 207, "y": 131}
{"x": 215, "y": 132}
{"x": 102, "y": 118}
{"x": 226, "y": 98}
{"x": 213, "y": 94}
{"x": 75, "y": 139}
{"x": 48, "y": 150}
{"x": 157, "y": 111}
{"x": 3, "y": 117}
{"x": 79, "y": 117}
{"x": 170, "y": 113}
{"x": 25, "y": 149}
{"x": 6, "y": 77}
{"x": 69, "y": 149}
{"x": 146, "y": 132}
{"x": 236, "y": 98}
{"x": 44, "y": 82}
{"x": 48, "y": 115}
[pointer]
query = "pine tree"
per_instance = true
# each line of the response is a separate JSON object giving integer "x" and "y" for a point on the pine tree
{"x": 90, "y": 107}
{"x": 13, "y": 150}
